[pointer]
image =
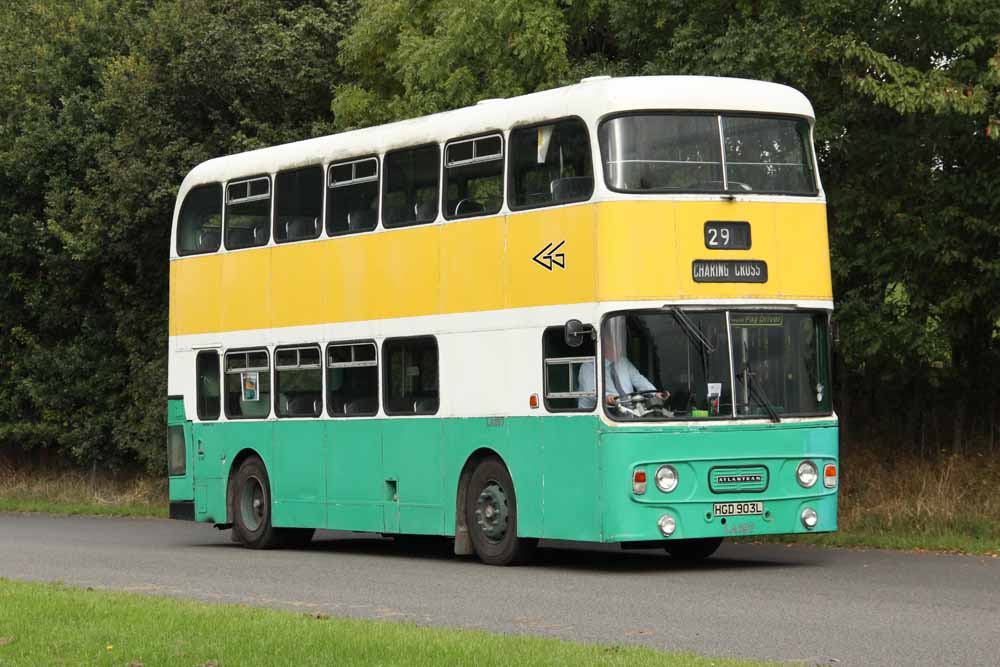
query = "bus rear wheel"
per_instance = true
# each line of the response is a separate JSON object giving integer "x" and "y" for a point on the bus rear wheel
{"x": 252, "y": 511}
{"x": 691, "y": 551}
{"x": 491, "y": 516}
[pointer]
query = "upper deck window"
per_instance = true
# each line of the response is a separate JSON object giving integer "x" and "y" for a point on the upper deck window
{"x": 352, "y": 203}
{"x": 248, "y": 213}
{"x": 410, "y": 186}
{"x": 676, "y": 153}
{"x": 550, "y": 164}
{"x": 474, "y": 173}
{"x": 199, "y": 227}
{"x": 298, "y": 204}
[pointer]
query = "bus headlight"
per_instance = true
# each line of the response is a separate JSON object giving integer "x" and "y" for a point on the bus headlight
{"x": 807, "y": 474}
{"x": 809, "y": 518}
{"x": 667, "y": 525}
{"x": 666, "y": 478}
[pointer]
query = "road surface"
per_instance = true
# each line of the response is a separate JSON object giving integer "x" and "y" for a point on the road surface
{"x": 770, "y": 602}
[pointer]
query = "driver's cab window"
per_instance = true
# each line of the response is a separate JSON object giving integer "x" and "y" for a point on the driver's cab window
{"x": 566, "y": 369}
{"x": 664, "y": 365}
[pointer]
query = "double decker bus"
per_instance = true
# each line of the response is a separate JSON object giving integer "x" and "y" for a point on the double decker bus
{"x": 596, "y": 313}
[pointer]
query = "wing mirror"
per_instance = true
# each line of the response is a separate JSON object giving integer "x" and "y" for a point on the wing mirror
{"x": 575, "y": 332}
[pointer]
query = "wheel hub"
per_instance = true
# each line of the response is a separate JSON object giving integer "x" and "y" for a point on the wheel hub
{"x": 492, "y": 512}
{"x": 252, "y": 507}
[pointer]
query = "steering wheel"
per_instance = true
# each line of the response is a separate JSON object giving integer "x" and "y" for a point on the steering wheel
{"x": 643, "y": 396}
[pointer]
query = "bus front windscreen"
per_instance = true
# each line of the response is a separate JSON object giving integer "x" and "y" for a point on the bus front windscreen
{"x": 675, "y": 153}
{"x": 674, "y": 364}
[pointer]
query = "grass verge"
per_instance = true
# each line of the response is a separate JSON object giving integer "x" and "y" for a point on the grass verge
{"x": 102, "y": 628}
{"x": 905, "y": 502}
{"x": 35, "y": 490}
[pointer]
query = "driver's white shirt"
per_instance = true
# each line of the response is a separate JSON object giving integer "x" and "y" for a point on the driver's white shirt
{"x": 629, "y": 378}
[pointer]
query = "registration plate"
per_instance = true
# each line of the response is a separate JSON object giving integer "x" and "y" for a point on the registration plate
{"x": 739, "y": 509}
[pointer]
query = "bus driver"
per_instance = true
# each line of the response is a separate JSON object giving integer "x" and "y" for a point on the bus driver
{"x": 621, "y": 377}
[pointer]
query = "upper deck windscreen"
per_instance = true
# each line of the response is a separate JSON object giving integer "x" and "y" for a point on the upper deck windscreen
{"x": 703, "y": 152}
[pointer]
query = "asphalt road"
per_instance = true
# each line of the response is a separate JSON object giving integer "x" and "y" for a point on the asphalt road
{"x": 754, "y": 601}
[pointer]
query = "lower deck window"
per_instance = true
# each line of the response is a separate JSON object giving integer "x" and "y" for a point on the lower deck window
{"x": 207, "y": 393}
{"x": 411, "y": 375}
{"x": 568, "y": 373}
{"x": 352, "y": 379}
{"x": 247, "y": 385}
{"x": 298, "y": 382}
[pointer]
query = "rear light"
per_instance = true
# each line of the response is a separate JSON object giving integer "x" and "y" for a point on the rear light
{"x": 830, "y": 476}
{"x": 639, "y": 482}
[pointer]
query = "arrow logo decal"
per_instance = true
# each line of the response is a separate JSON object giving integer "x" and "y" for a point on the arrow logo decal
{"x": 547, "y": 257}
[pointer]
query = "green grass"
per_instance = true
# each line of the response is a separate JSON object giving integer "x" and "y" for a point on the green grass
{"x": 37, "y": 490}
{"x": 134, "y": 510}
{"x": 51, "y": 624}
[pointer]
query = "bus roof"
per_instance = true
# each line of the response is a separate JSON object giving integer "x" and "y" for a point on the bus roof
{"x": 591, "y": 99}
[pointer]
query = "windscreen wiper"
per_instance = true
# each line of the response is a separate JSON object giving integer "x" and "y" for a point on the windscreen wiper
{"x": 758, "y": 392}
{"x": 693, "y": 333}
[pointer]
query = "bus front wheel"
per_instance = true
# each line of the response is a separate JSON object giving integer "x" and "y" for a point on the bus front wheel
{"x": 693, "y": 550}
{"x": 252, "y": 511}
{"x": 491, "y": 516}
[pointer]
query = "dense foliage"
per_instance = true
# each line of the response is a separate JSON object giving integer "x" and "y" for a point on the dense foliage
{"x": 106, "y": 104}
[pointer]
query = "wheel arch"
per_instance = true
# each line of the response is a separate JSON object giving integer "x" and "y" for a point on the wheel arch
{"x": 463, "y": 543}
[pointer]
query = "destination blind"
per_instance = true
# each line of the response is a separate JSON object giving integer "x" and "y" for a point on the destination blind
{"x": 729, "y": 271}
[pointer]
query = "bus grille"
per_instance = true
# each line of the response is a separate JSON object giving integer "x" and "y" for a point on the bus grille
{"x": 741, "y": 479}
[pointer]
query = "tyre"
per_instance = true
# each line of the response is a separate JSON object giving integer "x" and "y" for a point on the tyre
{"x": 252, "y": 511}
{"x": 491, "y": 516}
{"x": 693, "y": 550}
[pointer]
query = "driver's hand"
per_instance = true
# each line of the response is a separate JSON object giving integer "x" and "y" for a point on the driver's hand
{"x": 663, "y": 395}
{"x": 611, "y": 400}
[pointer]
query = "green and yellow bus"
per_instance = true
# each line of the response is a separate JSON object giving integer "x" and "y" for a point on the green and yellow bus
{"x": 596, "y": 313}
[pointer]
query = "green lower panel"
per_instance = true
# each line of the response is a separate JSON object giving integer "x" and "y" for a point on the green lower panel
{"x": 572, "y": 474}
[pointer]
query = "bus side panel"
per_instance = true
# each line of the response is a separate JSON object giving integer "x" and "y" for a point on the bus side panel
{"x": 300, "y": 287}
{"x": 356, "y": 489}
{"x": 298, "y": 473}
{"x": 195, "y": 295}
{"x": 472, "y": 254}
{"x": 550, "y": 256}
{"x": 572, "y": 493}
{"x": 246, "y": 286}
{"x": 517, "y": 441}
{"x": 411, "y": 457}
{"x": 222, "y": 442}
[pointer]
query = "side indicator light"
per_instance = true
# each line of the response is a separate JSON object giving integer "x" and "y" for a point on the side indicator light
{"x": 639, "y": 482}
{"x": 830, "y": 476}
{"x": 533, "y": 401}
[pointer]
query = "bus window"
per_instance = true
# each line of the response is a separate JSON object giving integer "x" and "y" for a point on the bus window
{"x": 352, "y": 380}
{"x": 247, "y": 385}
{"x": 207, "y": 392}
{"x": 568, "y": 373}
{"x": 298, "y": 204}
{"x": 410, "y": 186}
{"x": 474, "y": 172}
{"x": 298, "y": 382}
{"x": 768, "y": 155}
{"x": 411, "y": 375}
{"x": 352, "y": 202}
{"x": 199, "y": 228}
{"x": 248, "y": 213}
{"x": 550, "y": 164}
